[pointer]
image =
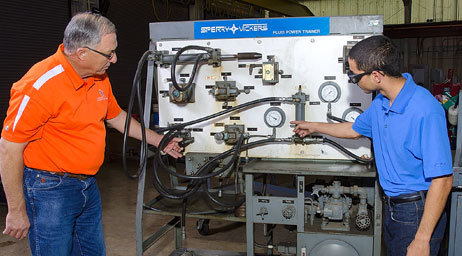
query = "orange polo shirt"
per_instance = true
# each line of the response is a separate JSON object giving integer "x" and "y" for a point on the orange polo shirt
{"x": 61, "y": 116}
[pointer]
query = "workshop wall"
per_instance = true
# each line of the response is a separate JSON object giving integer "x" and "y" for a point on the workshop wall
{"x": 430, "y": 58}
{"x": 132, "y": 20}
{"x": 30, "y": 31}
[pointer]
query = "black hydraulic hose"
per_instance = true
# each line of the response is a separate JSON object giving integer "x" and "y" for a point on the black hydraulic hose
{"x": 135, "y": 91}
{"x": 194, "y": 185}
{"x": 191, "y": 189}
{"x": 236, "y": 154}
{"x": 199, "y": 120}
{"x": 172, "y": 133}
{"x": 338, "y": 119}
{"x": 349, "y": 153}
{"x": 236, "y": 150}
{"x": 223, "y": 156}
{"x": 194, "y": 70}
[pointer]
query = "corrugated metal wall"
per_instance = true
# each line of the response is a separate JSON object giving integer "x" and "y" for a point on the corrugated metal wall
{"x": 393, "y": 10}
{"x": 30, "y": 31}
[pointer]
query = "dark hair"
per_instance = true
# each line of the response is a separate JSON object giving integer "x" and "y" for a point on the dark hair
{"x": 377, "y": 53}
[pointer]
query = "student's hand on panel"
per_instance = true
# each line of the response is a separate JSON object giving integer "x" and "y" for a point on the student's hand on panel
{"x": 303, "y": 128}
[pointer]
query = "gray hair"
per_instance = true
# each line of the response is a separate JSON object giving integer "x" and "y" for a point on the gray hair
{"x": 86, "y": 29}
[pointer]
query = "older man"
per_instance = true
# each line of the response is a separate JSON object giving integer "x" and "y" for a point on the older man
{"x": 53, "y": 142}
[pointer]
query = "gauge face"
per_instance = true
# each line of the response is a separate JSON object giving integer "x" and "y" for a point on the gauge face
{"x": 329, "y": 92}
{"x": 275, "y": 117}
{"x": 351, "y": 114}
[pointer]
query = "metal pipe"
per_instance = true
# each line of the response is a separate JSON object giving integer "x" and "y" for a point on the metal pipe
{"x": 191, "y": 58}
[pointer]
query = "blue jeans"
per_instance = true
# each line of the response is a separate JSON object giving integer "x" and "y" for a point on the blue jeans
{"x": 401, "y": 224}
{"x": 64, "y": 213}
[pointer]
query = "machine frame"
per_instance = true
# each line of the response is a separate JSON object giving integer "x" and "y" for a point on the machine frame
{"x": 177, "y": 31}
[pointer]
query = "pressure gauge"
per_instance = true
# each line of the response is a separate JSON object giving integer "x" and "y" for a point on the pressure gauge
{"x": 275, "y": 117}
{"x": 351, "y": 114}
{"x": 329, "y": 92}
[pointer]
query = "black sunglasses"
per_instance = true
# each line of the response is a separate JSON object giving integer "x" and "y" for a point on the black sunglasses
{"x": 355, "y": 78}
{"x": 108, "y": 56}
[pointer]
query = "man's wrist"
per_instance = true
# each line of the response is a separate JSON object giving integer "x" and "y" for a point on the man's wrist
{"x": 16, "y": 208}
{"x": 422, "y": 237}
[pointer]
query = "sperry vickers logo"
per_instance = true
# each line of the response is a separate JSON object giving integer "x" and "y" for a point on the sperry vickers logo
{"x": 234, "y": 28}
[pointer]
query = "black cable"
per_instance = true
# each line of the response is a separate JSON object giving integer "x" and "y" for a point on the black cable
{"x": 338, "y": 119}
{"x": 220, "y": 156}
{"x": 192, "y": 188}
{"x": 135, "y": 92}
{"x": 194, "y": 184}
{"x": 207, "y": 168}
{"x": 231, "y": 162}
{"x": 240, "y": 106}
{"x": 173, "y": 132}
{"x": 194, "y": 70}
{"x": 349, "y": 153}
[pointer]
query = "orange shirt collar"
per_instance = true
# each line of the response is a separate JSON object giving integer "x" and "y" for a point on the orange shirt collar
{"x": 76, "y": 80}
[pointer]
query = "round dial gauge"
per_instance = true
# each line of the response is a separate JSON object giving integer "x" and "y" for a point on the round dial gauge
{"x": 275, "y": 117}
{"x": 351, "y": 114}
{"x": 329, "y": 92}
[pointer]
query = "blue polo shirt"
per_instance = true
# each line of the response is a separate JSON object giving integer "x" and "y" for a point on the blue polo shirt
{"x": 410, "y": 139}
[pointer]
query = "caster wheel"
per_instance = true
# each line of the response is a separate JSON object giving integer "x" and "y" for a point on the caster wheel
{"x": 202, "y": 226}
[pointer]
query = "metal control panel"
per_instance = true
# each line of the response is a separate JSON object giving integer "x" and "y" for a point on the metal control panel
{"x": 309, "y": 72}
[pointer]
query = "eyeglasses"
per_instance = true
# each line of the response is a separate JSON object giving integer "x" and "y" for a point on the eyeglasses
{"x": 108, "y": 56}
{"x": 355, "y": 78}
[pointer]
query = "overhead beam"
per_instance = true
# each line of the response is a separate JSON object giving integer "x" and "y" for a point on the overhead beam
{"x": 283, "y": 7}
{"x": 429, "y": 29}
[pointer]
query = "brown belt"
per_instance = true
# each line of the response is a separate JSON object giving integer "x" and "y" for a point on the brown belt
{"x": 67, "y": 174}
{"x": 72, "y": 175}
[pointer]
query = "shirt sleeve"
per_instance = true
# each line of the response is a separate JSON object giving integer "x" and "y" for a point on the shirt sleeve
{"x": 436, "y": 151}
{"x": 25, "y": 118}
{"x": 362, "y": 124}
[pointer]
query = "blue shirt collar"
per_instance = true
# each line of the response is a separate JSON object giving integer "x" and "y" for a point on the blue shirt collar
{"x": 403, "y": 97}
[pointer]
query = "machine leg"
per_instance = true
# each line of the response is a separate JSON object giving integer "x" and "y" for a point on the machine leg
{"x": 249, "y": 213}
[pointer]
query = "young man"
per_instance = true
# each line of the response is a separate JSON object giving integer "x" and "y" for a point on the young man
{"x": 53, "y": 142}
{"x": 411, "y": 145}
